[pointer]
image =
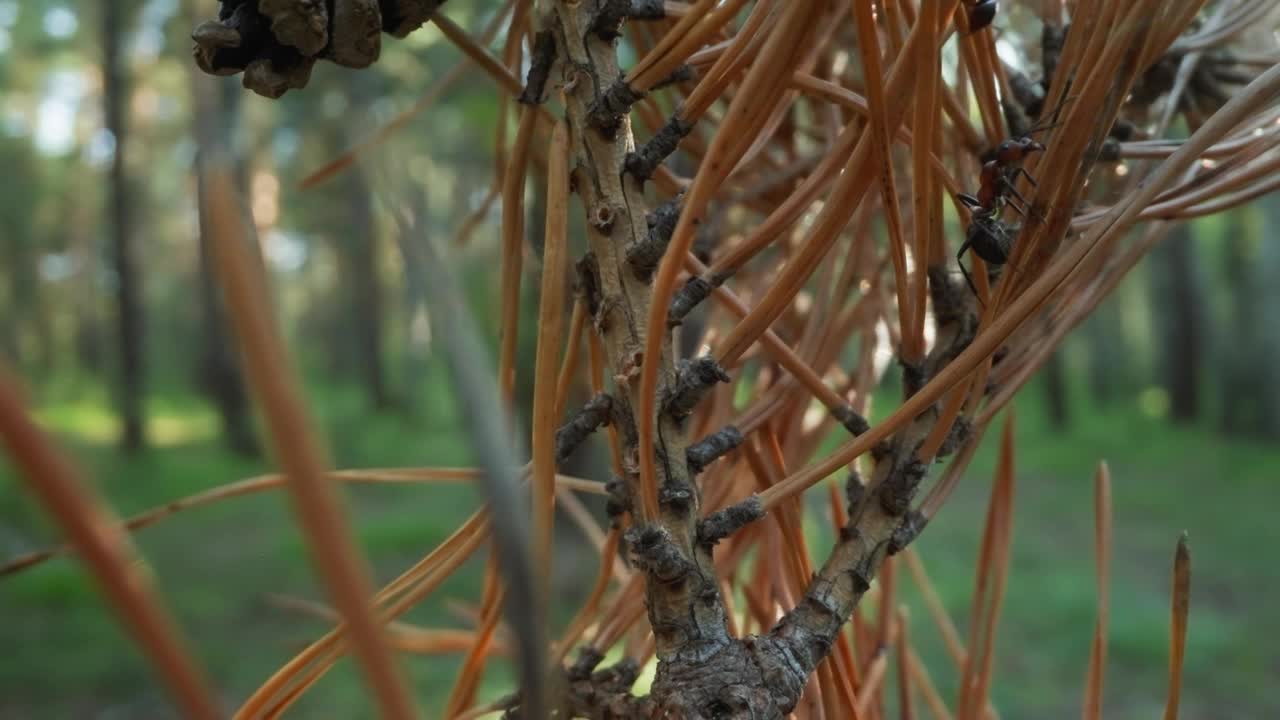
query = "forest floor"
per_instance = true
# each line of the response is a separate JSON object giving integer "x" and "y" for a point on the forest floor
{"x": 219, "y": 566}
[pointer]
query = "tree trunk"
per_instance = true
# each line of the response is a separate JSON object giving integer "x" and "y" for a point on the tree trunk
{"x": 1108, "y": 356}
{"x": 217, "y": 109}
{"x": 365, "y": 300}
{"x": 1055, "y": 386}
{"x": 1177, "y": 306}
{"x": 129, "y": 320}
{"x": 357, "y": 249}
{"x": 1267, "y": 329}
{"x": 417, "y": 321}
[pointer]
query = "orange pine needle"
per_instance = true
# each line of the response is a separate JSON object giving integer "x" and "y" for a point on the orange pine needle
{"x": 107, "y": 552}
{"x": 1179, "y": 609}
{"x": 1102, "y": 534}
{"x": 318, "y": 508}
{"x": 555, "y": 263}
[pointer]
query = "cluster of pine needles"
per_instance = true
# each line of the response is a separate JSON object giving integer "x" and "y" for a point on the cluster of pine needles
{"x": 771, "y": 204}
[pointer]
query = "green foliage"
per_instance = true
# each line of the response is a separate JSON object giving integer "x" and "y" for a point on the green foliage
{"x": 217, "y": 564}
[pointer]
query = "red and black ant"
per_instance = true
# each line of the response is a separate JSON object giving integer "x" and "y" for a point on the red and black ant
{"x": 990, "y": 238}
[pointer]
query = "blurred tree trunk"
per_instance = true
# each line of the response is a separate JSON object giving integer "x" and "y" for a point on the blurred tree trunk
{"x": 358, "y": 253}
{"x": 1055, "y": 386}
{"x": 360, "y": 267}
{"x": 1251, "y": 342}
{"x": 1267, "y": 277}
{"x": 87, "y": 333}
{"x": 129, "y": 320}
{"x": 1177, "y": 311}
{"x": 1238, "y": 349}
{"x": 217, "y": 104}
{"x": 416, "y": 318}
{"x": 1108, "y": 355}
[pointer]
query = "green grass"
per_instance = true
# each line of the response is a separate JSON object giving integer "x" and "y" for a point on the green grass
{"x": 216, "y": 565}
{"x": 1164, "y": 480}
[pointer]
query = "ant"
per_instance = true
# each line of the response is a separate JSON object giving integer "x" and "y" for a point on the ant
{"x": 989, "y": 238}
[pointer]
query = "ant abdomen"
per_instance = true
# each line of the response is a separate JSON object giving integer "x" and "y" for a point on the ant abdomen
{"x": 990, "y": 240}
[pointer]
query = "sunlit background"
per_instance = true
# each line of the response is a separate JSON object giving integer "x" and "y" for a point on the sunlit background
{"x": 1174, "y": 382}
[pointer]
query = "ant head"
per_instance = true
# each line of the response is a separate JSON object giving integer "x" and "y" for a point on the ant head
{"x": 1015, "y": 149}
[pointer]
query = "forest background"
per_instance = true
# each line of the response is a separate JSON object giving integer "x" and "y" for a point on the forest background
{"x": 105, "y": 313}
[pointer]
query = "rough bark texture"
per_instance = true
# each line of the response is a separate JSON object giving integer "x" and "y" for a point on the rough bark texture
{"x": 128, "y": 296}
{"x": 685, "y": 611}
{"x": 702, "y": 671}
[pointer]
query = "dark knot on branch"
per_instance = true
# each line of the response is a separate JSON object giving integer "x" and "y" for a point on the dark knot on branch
{"x": 851, "y": 420}
{"x": 608, "y": 23}
{"x": 643, "y": 162}
{"x": 693, "y": 379}
{"x": 855, "y": 490}
{"x": 909, "y": 529}
{"x": 725, "y": 522}
{"x": 654, "y": 552}
{"x": 544, "y": 56}
{"x": 595, "y": 414}
{"x": 900, "y": 486}
{"x": 608, "y": 109}
{"x": 644, "y": 254}
{"x": 961, "y": 431}
{"x": 689, "y": 297}
{"x": 712, "y": 448}
{"x": 619, "y": 502}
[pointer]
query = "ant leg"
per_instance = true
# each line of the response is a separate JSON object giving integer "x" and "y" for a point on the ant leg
{"x": 1039, "y": 216}
{"x": 1008, "y": 185}
{"x": 968, "y": 201}
{"x": 1027, "y": 175}
{"x": 963, "y": 271}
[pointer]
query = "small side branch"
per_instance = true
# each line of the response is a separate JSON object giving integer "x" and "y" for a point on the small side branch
{"x": 711, "y": 448}
{"x": 642, "y": 163}
{"x": 689, "y": 297}
{"x": 544, "y": 56}
{"x": 644, "y": 254}
{"x": 684, "y": 73}
{"x": 851, "y": 420}
{"x": 693, "y": 379}
{"x": 606, "y": 113}
{"x": 619, "y": 502}
{"x": 723, "y": 523}
{"x": 608, "y": 23}
{"x": 592, "y": 416}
